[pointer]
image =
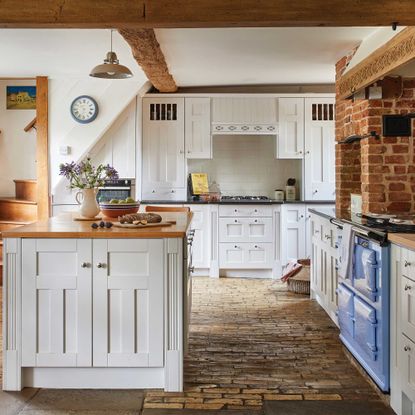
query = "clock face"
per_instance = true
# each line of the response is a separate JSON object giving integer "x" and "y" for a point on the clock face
{"x": 84, "y": 109}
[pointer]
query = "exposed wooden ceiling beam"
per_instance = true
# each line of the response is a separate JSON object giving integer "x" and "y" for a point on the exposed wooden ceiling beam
{"x": 148, "y": 54}
{"x": 393, "y": 54}
{"x": 204, "y": 13}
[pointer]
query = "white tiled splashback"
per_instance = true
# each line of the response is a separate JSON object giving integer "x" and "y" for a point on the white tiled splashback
{"x": 245, "y": 165}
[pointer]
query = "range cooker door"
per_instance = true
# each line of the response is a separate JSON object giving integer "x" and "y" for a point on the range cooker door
{"x": 365, "y": 270}
{"x": 365, "y": 328}
{"x": 345, "y": 311}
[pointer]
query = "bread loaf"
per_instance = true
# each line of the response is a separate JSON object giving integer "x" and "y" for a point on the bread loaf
{"x": 138, "y": 217}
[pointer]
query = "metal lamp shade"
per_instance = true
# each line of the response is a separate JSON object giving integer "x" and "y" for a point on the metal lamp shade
{"x": 111, "y": 69}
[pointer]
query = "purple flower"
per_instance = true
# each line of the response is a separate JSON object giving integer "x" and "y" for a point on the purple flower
{"x": 84, "y": 175}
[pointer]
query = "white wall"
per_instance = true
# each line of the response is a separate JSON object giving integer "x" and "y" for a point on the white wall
{"x": 17, "y": 148}
{"x": 245, "y": 165}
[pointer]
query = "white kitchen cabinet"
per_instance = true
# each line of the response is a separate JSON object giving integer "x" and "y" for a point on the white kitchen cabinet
{"x": 128, "y": 303}
{"x": 290, "y": 140}
{"x": 163, "y": 164}
{"x": 118, "y": 145}
{"x": 324, "y": 276}
{"x": 246, "y": 255}
{"x": 293, "y": 232}
{"x": 111, "y": 292}
{"x": 241, "y": 229}
{"x": 198, "y": 140}
{"x": 201, "y": 248}
{"x": 319, "y": 143}
{"x": 57, "y": 303}
{"x": 244, "y": 110}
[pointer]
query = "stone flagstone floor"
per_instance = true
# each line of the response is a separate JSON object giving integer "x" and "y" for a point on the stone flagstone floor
{"x": 250, "y": 341}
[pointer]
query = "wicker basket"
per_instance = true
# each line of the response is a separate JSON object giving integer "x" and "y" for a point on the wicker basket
{"x": 300, "y": 283}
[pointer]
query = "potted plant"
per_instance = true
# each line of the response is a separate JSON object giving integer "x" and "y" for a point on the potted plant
{"x": 87, "y": 178}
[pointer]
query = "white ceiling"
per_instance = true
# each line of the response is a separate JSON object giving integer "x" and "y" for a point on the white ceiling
{"x": 60, "y": 52}
{"x": 242, "y": 56}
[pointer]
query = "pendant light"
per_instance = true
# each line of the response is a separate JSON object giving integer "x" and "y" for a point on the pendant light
{"x": 111, "y": 69}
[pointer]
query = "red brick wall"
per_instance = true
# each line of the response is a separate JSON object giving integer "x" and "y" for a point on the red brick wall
{"x": 383, "y": 170}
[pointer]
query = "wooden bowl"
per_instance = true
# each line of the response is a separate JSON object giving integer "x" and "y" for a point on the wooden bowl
{"x": 114, "y": 210}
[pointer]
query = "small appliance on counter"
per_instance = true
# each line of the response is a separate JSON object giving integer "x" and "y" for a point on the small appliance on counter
{"x": 279, "y": 195}
{"x": 116, "y": 189}
{"x": 290, "y": 190}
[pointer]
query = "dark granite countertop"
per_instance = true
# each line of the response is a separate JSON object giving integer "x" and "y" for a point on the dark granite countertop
{"x": 236, "y": 202}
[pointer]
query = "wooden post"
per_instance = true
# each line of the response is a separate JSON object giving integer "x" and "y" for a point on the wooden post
{"x": 42, "y": 148}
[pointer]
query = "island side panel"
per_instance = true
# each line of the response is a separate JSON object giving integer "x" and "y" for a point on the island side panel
{"x": 12, "y": 371}
{"x": 174, "y": 315}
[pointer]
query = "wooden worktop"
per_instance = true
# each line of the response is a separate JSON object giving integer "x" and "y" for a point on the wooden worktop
{"x": 407, "y": 240}
{"x": 63, "y": 226}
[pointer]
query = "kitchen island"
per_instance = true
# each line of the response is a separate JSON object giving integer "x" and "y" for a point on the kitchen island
{"x": 102, "y": 308}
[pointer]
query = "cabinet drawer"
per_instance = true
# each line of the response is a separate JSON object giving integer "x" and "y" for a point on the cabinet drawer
{"x": 164, "y": 194}
{"x": 245, "y": 229}
{"x": 408, "y": 263}
{"x": 407, "y": 356}
{"x": 408, "y": 307}
{"x": 245, "y": 255}
{"x": 238, "y": 210}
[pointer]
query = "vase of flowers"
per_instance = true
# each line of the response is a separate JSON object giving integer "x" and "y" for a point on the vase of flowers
{"x": 87, "y": 178}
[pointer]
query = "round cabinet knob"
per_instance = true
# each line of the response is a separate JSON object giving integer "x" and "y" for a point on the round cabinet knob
{"x": 301, "y": 216}
{"x": 236, "y": 246}
{"x": 256, "y": 220}
{"x": 188, "y": 151}
{"x": 407, "y": 264}
{"x": 173, "y": 191}
{"x": 407, "y": 348}
{"x": 307, "y": 152}
{"x": 192, "y": 269}
{"x": 256, "y": 246}
{"x": 315, "y": 191}
{"x": 84, "y": 265}
{"x": 407, "y": 287}
{"x": 153, "y": 191}
{"x": 100, "y": 265}
{"x": 300, "y": 152}
{"x": 236, "y": 220}
{"x": 236, "y": 210}
{"x": 256, "y": 210}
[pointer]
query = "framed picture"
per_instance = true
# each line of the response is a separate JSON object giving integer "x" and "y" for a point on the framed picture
{"x": 21, "y": 97}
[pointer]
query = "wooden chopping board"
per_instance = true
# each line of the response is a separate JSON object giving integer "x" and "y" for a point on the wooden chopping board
{"x": 148, "y": 225}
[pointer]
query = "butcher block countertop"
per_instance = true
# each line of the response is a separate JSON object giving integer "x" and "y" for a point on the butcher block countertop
{"x": 63, "y": 226}
{"x": 407, "y": 240}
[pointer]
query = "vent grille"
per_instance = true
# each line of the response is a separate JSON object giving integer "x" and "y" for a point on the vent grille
{"x": 322, "y": 112}
{"x": 163, "y": 112}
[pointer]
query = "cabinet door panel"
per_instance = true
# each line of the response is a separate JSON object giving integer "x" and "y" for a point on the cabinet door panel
{"x": 163, "y": 144}
{"x": 128, "y": 303}
{"x": 201, "y": 224}
{"x": 293, "y": 235}
{"x": 408, "y": 307}
{"x": 197, "y": 128}
{"x": 57, "y": 302}
{"x": 319, "y": 162}
{"x": 290, "y": 141}
{"x": 407, "y": 357}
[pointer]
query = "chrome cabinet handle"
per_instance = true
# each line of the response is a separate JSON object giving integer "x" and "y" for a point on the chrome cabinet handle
{"x": 100, "y": 265}
{"x": 407, "y": 287}
{"x": 192, "y": 269}
{"x": 407, "y": 348}
{"x": 406, "y": 264}
{"x": 84, "y": 265}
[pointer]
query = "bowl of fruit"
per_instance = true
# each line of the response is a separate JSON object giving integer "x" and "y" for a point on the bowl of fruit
{"x": 117, "y": 207}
